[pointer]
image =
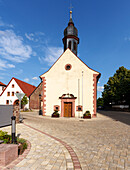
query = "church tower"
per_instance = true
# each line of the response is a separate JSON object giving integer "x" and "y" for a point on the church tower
{"x": 71, "y": 39}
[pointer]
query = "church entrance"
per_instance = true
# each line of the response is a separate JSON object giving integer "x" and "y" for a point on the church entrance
{"x": 67, "y": 105}
{"x": 67, "y": 109}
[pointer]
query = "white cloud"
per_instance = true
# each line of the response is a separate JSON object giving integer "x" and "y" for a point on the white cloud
{"x": 51, "y": 55}
{"x": 13, "y": 48}
{"x": 40, "y": 33}
{"x": 3, "y": 24}
{"x": 100, "y": 88}
{"x": 36, "y": 37}
{"x": 11, "y": 65}
{"x": 4, "y": 65}
{"x": 26, "y": 79}
{"x": 35, "y": 78}
{"x": 29, "y": 36}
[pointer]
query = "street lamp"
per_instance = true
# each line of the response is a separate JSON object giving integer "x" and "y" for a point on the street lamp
{"x": 13, "y": 121}
{"x": 40, "y": 110}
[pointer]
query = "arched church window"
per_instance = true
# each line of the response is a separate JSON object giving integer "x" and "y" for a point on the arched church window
{"x": 75, "y": 46}
{"x": 70, "y": 45}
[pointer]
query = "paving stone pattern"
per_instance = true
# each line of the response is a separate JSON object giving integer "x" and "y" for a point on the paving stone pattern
{"x": 100, "y": 143}
{"x": 45, "y": 153}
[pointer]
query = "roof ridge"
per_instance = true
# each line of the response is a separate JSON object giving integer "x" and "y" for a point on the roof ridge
{"x": 23, "y": 81}
{"x": 2, "y": 84}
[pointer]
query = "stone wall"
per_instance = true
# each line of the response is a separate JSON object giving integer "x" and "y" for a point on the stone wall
{"x": 34, "y": 97}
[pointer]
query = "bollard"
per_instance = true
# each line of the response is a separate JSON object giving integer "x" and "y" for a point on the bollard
{"x": 13, "y": 120}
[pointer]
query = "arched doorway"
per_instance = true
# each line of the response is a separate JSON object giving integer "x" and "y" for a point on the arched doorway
{"x": 16, "y": 103}
{"x": 67, "y": 105}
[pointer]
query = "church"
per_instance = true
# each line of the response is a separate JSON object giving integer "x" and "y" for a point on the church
{"x": 69, "y": 86}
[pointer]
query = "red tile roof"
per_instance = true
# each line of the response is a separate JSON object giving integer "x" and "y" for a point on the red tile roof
{"x": 2, "y": 84}
{"x": 25, "y": 87}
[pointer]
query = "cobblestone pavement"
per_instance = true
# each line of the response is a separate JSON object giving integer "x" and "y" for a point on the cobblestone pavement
{"x": 100, "y": 143}
{"x": 46, "y": 153}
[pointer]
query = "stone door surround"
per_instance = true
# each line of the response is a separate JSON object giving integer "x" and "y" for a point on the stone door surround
{"x": 67, "y": 98}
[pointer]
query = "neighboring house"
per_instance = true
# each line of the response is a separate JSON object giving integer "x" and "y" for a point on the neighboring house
{"x": 2, "y": 87}
{"x": 70, "y": 86}
{"x": 15, "y": 86}
{"x": 35, "y": 97}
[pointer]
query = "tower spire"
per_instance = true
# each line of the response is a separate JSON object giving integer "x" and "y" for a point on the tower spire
{"x": 70, "y": 14}
{"x": 71, "y": 39}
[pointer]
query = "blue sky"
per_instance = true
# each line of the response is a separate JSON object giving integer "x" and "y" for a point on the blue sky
{"x": 31, "y": 33}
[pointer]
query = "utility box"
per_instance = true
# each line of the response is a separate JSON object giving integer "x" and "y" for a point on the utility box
{"x": 6, "y": 112}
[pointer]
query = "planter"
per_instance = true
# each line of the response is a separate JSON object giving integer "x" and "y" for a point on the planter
{"x": 55, "y": 116}
{"x": 87, "y": 117}
{"x": 20, "y": 149}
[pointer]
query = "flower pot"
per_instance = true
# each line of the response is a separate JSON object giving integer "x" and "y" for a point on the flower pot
{"x": 55, "y": 115}
{"x": 87, "y": 117}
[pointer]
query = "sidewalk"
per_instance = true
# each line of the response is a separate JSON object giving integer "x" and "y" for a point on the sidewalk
{"x": 45, "y": 153}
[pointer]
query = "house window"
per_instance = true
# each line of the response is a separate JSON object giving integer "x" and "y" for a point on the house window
{"x": 12, "y": 93}
{"x": 12, "y": 85}
{"x": 79, "y": 108}
{"x": 56, "y": 107}
{"x": 17, "y": 92}
{"x": 7, "y": 101}
{"x": 68, "y": 66}
{"x": 8, "y": 93}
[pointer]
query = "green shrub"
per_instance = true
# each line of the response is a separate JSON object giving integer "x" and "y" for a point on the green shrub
{"x": 23, "y": 142}
{"x": 8, "y": 139}
{"x": 55, "y": 113}
{"x": 87, "y": 113}
{"x": 5, "y": 137}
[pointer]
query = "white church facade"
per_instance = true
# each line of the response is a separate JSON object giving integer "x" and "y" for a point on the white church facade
{"x": 70, "y": 86}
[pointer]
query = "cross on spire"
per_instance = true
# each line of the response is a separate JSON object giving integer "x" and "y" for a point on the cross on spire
{"x": 70, "y": 6}
{"x": 70, "y": 9}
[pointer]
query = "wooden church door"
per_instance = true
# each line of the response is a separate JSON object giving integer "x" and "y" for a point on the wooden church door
{"x": 67, "y": 109}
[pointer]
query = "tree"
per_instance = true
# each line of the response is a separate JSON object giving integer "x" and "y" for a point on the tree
{"x": 100, "y": 102}
{"x": 24, "y": 100}
{"x": 117, "y": 89}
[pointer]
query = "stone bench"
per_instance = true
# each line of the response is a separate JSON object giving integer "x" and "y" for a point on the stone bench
{"x": 8, "y": 153}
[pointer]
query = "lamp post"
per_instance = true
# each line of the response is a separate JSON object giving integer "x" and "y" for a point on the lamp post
{"x": 82, "y": 91}
{"x": 40, "y": 110}
{"x": 13, "y": 121}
